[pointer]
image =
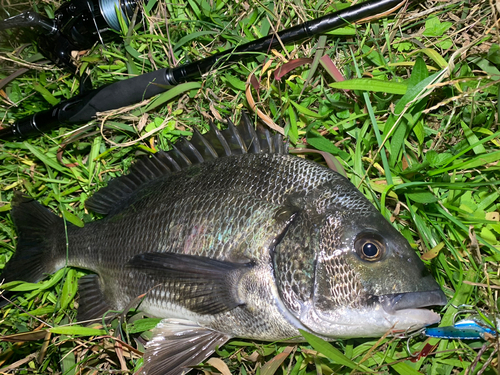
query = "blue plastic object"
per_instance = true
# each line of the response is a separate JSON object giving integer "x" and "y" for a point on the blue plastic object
{"x": 471, "y": 328}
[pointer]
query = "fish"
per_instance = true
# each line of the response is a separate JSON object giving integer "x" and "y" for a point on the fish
{"x": 229, "y": 236}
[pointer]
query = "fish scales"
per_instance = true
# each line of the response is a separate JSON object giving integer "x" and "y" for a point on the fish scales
{"x": 250, "y": 243}
{"x": 207, "y": 207}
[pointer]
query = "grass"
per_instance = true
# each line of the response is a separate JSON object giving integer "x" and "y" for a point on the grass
{"x": 423, "y": 145}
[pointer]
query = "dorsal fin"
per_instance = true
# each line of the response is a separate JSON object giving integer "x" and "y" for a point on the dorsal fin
{"x": 234, "y": 140}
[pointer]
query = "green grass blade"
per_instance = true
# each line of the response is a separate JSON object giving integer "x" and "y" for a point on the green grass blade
{"x": 332, "y": 353}
{"x": 44, "y": 158}
{"x": 77, "y": 330}
{"x": 375, "y": 85}
{"x": 172, "y": 93}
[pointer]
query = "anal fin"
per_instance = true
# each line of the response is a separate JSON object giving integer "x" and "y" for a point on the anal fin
{"x": 92, "y": 302}
{"x": 178, "y": 345}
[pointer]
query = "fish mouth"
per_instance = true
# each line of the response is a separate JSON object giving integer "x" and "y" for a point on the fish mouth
{"x": 393, "y": 303}
{"x": 379, "y": 315}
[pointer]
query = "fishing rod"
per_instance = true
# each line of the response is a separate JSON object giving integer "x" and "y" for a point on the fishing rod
{"x": 84, "y": 107}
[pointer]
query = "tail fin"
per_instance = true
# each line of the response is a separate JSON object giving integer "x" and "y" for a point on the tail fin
{"x": 38, "y": 249}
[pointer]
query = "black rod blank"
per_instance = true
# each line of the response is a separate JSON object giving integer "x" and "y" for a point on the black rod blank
{"x": 305, "y": 30}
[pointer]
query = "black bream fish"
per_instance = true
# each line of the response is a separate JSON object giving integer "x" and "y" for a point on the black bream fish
{"x": 233, "y": 237}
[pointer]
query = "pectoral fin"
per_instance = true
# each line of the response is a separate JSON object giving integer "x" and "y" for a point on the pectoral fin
{"x": 177, "y": 345}
{"x": 200, "y": 284}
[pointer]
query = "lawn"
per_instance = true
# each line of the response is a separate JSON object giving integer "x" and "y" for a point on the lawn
{"x": 408, "y": 105}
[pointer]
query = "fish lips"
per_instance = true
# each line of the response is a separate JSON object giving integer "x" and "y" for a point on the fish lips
{"x": 392, "y": 303}
{"x": 376, "y": 316}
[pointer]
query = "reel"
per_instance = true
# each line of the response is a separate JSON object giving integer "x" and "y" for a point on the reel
{"x": 77, "y": 25}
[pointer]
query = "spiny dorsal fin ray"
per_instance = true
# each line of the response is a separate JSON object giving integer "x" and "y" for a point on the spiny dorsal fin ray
{"x": 234, "y": 140}
{"x": 167, "y": 159}
{"x": 267, "y": 139}
{"x": 279, "y": 146}
{"x": 180, "y": 157}
{"x": 204, "y": 147}
{"x": 190, "y": 151}
{"x": 249, "y": 134}
{"x": 215, "y": 137}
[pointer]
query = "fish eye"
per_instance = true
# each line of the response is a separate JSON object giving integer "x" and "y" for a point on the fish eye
{"x": 369, "y": 246}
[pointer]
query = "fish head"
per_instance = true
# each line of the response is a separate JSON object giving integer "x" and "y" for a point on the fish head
{"x": 358, "y": 276}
